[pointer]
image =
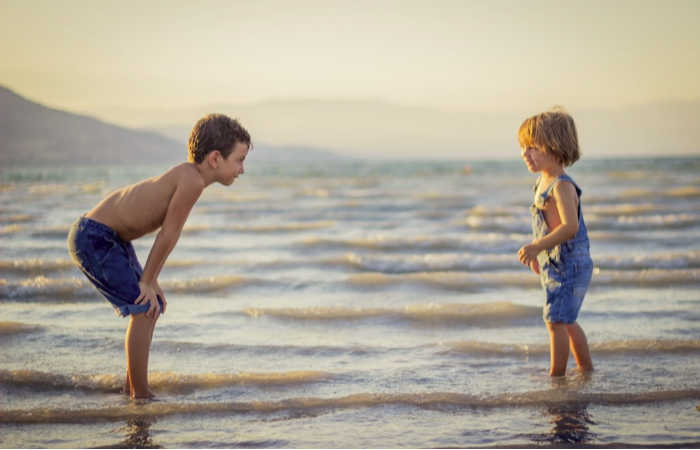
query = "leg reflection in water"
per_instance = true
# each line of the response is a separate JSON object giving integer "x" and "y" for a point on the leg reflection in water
{"x": 138, "y": 433}
{"x": 571, "y": 425}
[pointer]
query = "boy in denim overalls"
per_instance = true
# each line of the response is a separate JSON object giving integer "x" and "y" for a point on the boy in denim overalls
{"x": 559, "y": 252}
{"x": 100, "y": 241}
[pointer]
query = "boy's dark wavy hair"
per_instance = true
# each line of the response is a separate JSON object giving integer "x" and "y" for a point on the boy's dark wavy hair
{"x": 215, "y": 132}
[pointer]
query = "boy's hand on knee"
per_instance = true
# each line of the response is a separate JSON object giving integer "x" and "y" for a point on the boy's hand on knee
{"x": 148, "y": 294}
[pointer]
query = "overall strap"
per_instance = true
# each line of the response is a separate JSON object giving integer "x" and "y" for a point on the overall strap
{"x": 562, "y": 177}
{"x": 565, "y": 177}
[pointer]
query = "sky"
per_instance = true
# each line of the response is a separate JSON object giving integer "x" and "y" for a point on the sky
{"x": 111, "y": 59}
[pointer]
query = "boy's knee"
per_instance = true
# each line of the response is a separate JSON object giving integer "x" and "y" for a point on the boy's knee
{"x": 143, "y": 320}
{"x": 556, "y": 326}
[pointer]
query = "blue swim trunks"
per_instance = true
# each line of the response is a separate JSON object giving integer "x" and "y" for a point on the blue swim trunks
{"x": 109, "y": 263}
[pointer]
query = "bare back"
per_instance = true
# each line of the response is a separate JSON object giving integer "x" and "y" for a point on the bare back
{"x": 138, "y": 209}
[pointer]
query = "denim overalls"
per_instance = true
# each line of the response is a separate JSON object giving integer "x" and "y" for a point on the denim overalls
{"x": 566, "y": 269}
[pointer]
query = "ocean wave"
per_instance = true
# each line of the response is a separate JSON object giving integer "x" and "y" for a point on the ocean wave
{"x": 282, "y": 227}
{"x": 521, "y": 224}
{"x": 43, "y": 265}
{"x": 483, "y": 242}
{"x": 490, "y": 211}
{"x": 41, "y": 286}
{"x": 640, "y": 346}
{"x": 80, "y": 288}
{"x": 391, "y": 263}
{"x": 475, "y": 281}
{"x": 682, "y": 192}
{"x": 7, "y": 230}
{"x": 36, "y": 265}
{"x": 666, "y": 260}
{"x": 431, "y": 401}
{"x": 428, "y": 262}
{"x": 57, "y": 232}
{"x": 448, "y": 262}
{"x": 208, "y": 284}
{"x": 455, "y": 313}
{"x": 269, "y": 349}
{"x": 648, "y": 277}
{"x": 460, "y": 281}
{"x": 16, "y": 218}
{"x": 624, "y": 209}
{"x": 652, "y": 222}
{"x": 401, "y": 263}
{"x": 271, "y": 228}
{"x": 11, "y": 328}
{"x": 159, "y": 381}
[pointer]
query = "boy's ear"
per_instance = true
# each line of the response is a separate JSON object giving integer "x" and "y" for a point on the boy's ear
{"x": 213, "y": 158}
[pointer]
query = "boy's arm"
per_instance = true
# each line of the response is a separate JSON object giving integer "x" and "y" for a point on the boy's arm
{"x": 183, "y": 199}
{"x": 566, "y": 200}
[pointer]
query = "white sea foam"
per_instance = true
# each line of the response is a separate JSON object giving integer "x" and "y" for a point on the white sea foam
{"x": 16, "y": 218}
{"x": 486, "y": 242}
{"x": 81, "y": 288}
{"x": 158, "y": 381}
{"x": 432, "y": 401}
{"x": 639, "y": 346}
{"x": 11, "y": 328}
{"x": 475, "y": 281}
{"x": 480, "y": 313}
{"x": 36, "y": 265}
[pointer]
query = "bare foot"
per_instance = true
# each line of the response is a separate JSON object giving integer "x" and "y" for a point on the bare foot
{"x": 149, "y": 396}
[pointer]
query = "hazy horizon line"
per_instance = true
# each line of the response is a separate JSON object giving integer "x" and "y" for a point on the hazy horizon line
{"x": 369, "y": 100}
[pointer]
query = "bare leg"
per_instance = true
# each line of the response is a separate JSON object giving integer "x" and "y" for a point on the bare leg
{"x": 558, "y": 348}
{"x": 150, "y": 340}
{"x": 579, "y": 347}
{"x": 137, "y": 344}
{"x": 127, "y": 384}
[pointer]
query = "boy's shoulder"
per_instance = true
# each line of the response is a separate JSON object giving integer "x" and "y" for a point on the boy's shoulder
{"x": 565, "y": 187}
{"x": 186, "y": 174}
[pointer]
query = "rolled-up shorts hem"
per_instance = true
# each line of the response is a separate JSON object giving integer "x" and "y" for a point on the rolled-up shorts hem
{"x": 128, "y": 309}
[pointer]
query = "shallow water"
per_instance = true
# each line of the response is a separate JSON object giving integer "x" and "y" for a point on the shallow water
{"x": 358, "y": 304}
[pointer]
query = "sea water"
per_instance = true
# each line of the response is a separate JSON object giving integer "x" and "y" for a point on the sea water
{"x": 350, "y": 303}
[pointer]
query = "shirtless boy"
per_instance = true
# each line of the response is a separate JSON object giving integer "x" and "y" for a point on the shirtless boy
{"x": 100, "y": 241}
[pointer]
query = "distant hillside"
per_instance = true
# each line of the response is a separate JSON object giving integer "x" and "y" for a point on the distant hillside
{"x": 34, "y": 134}
{"x": 31, "y": 133}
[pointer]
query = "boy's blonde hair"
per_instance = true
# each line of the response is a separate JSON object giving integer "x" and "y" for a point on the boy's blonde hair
{"x": 555, "y": 132}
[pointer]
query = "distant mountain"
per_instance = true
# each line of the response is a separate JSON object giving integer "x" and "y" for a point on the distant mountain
{"x": 34, "y": 134}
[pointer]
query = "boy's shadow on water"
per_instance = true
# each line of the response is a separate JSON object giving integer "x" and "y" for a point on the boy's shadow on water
{"x": 138, "y": 434}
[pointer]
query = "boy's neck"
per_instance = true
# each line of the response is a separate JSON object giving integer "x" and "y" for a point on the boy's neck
{"x": 206, "y": 174}
{"x": 553, "y": 172}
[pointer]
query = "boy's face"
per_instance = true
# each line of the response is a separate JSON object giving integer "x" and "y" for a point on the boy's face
{"x": 230, "y": 168}
{"x": 537, "y": 159}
